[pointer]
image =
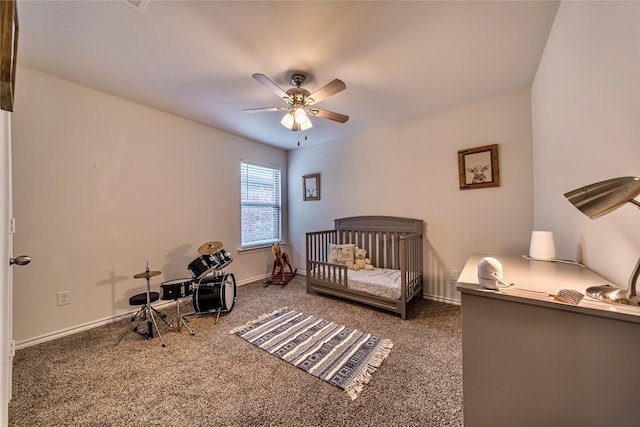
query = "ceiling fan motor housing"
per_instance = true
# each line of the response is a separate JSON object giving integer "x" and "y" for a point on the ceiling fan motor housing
{"x": 298, "y": 79}
{"x": 297, "y": 95}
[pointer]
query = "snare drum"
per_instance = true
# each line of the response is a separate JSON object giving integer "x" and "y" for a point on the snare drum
{"x": 203, "y": 264}
{"x": 215, "y": 293}
{"x": 174, "y": 289}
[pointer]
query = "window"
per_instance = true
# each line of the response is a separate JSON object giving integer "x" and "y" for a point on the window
{"x": 260, "y": 211}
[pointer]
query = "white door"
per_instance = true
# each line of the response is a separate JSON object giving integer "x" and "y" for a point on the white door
{"x": 6, "y": 333}
{"x": 6, "y": 259}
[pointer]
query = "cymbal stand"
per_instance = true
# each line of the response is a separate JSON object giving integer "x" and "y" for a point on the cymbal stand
{"x": 147, "y": 312}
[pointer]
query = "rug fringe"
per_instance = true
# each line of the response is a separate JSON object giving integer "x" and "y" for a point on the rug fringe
{"x": 357, "y": 385}
{"x": 259, "y": 319}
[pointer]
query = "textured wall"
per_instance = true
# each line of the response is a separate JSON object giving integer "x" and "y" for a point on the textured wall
{"x": 103, "y": 185}
{"x": 411, "y": 170}
{"x": 586, "y": 128}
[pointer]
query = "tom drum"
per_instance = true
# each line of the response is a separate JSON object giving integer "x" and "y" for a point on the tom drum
{"x": 224, "y": 258}
{"x": 174, "y": 289}
{"x": 203, "y": 264}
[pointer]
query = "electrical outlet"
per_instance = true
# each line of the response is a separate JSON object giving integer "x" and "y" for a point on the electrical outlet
{"x": 64, "y": 297}
{"x": 454, "y": 275}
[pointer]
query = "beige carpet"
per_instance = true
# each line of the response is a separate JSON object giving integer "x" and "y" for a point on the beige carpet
{"x": 218, "y": 379}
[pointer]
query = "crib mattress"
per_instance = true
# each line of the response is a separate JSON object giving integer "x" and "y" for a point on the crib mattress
{"x": 382, "y": 282}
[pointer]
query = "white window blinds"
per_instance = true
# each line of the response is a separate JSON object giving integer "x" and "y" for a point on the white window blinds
{"x": 261, "y": 207}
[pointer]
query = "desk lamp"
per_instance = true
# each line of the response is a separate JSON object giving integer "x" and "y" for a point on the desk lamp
{"x": 599, "y": 199}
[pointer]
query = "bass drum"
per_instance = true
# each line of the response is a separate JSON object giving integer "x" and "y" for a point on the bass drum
{"x": 217, "y": 293}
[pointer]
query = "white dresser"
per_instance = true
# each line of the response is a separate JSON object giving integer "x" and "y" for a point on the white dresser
{"x": 529, "y": 360}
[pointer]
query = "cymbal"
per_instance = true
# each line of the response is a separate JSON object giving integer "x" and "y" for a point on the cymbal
{"x": 210, "y": 247}
{"x": 146, "y": 274}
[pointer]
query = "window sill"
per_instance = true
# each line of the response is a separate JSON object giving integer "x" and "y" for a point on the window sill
{"x": 259, "y": 248}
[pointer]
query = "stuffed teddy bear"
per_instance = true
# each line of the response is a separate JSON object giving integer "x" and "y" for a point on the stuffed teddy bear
{"x": 360, "y": 260}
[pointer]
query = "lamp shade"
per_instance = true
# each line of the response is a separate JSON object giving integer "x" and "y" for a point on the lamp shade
{"x": 599, "y": 199}
{"x": 542, "y": 246}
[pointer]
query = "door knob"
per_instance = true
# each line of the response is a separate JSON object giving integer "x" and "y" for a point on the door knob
{"x": 20, "y": 260}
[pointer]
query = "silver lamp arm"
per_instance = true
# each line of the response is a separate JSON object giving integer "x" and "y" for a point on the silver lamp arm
{"x": 633, "y": 280}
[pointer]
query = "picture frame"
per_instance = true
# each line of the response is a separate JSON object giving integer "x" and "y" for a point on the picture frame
{"x": 8, "y": 53}
{"x": 479, "y": 167}
{"x": 311, "y": 187}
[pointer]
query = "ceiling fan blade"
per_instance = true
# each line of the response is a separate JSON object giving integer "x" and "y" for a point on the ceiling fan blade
{"x": 265, "y": 110}
{"x": 269, "y": 84}
{"x": 336, "y": 117}
{"x": 331, "y": 88}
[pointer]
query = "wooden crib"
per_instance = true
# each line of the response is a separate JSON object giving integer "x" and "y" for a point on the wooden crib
{"x": 395, "y": 248}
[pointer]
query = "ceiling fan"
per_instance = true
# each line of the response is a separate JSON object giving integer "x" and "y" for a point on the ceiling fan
{"x": 300, "y": 101}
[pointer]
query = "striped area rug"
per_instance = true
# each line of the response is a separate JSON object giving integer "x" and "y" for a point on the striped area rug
{"x": 342, "y": 356}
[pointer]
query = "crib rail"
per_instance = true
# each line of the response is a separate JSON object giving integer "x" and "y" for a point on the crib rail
{"x": 318, "y": 245}
{"x": 334, "y": 273}
{"x": 411, "y": 264}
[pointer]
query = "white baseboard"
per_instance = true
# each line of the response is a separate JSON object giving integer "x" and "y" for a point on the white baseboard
{"x": 442, "y": 299}
{"x": 105, "y": 321}
{"x": 79, "y": 328}
{"x": 252, "y": 280}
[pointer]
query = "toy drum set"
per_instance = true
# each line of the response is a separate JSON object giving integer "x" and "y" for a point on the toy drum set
{"x": 212, "y": 290}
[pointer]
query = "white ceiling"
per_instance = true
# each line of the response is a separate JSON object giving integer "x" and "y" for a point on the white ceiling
{"x": 399, "y": 60}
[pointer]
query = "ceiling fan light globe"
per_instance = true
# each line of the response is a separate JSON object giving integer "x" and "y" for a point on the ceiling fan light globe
{"x": 287, "y": 121}
{"x": 306, "y": 124}
{"x": 300, "y": 115}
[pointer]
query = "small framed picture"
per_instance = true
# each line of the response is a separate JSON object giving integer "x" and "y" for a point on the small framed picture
{"x": 479, "y": 167}
{"x": 311, "y": 187}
